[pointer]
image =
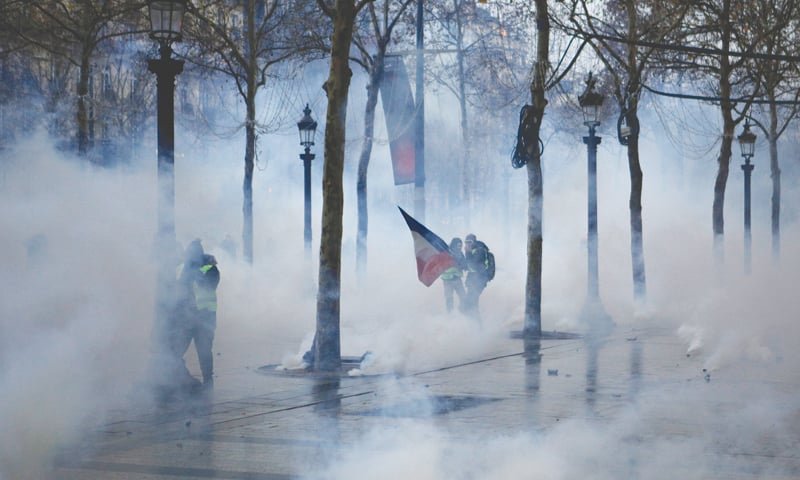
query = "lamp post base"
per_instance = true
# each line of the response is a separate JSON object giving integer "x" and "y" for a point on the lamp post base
{"x": 594, "y": 319}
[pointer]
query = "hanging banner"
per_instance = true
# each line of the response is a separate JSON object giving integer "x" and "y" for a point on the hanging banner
{"x": 398, "y": 108}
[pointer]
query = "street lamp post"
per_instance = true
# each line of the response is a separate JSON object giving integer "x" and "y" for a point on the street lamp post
{"x": 747, "y": 141}
{"x": 166, "y": 20}
{"x": 307, "y": 127}
{"x": 593, "y": 313}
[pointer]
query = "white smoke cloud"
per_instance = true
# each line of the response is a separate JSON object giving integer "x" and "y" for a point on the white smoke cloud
{"x": 77, "y": 310}
{"x": 77, "y": 299}
{"x": 738, "y": 329}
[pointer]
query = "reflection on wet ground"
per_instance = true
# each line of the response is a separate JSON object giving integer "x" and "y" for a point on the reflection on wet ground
{"x": 628, "y": 405}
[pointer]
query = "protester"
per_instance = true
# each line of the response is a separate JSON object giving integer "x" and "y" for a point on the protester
{"x": 196, "y": 310}
{"x": 170, "y": 376}
{"x": 480, "y": 266}
{"x": 452, "y": 277}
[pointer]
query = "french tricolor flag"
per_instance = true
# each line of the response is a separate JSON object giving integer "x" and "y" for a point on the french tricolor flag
{"x": 433, "y": 253}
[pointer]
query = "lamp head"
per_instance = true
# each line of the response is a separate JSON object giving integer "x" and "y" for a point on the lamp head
{"x": 166, "y": 20}
{"x": 747, "y": 140}
{"x": 590, "y": 102}
{"x": 307, "y": 127}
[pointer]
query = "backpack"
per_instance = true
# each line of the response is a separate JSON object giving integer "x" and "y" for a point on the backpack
{"x": 489, "y": 266}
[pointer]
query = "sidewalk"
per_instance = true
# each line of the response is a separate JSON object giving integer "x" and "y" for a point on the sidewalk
{"x": 632, "y": 406}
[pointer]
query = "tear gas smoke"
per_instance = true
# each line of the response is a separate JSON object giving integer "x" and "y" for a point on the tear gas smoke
{"x": 78, "y": 299}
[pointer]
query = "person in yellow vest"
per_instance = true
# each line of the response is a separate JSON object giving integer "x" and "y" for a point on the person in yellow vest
{"x": 480, "y": 270}
{"x": 451, "y": 278}
{"x": 198, "y": 278}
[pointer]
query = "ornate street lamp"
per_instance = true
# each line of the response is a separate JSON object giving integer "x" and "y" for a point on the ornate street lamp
{"x": 307, "y": 127}
{"x": 593, "y": 313}
{"x": 591, "y": 101}
{"x": 747, "y": 142}
{"x": 166, "y": 20}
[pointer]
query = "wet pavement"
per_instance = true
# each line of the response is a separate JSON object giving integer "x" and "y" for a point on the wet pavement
{"x": 632, "y": 405}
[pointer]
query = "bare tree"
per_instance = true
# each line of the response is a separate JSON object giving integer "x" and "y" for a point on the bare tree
{"x": 327, "y": 344}
{"x": 10, "y": 29}
{"x": 530, "y": 130}
{"x": 468, "y": 42}
{"x": 247, "y": 41}
{"x": 372, "y": 42}
{"x": 713, "y": 25}
{"x": 16, "y": 72}
{"x": 528, "y": 152}
{"x": 615, "y": 38}
{"x": 74, "y": 30}
{"x": 773, "y": 24}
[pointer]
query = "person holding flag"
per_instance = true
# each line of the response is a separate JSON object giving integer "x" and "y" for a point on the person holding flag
{"x": 451, "y": 278}
{"x": 433, "y": 254}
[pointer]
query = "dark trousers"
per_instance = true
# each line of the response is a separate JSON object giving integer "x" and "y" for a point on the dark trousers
{"x": 475, "y": 284}
{"x": 453, "y": 285}
{"x": 171, "y": 374}
{"x": 200, "y": 329}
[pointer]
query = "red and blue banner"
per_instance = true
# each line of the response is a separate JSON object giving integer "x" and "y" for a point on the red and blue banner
{"x": 399, "y": 111}
{"x": 433, "y": 254}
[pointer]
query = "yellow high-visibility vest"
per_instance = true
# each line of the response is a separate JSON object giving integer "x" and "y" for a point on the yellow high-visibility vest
{"x": 205, "y": 298}
{"x": 451, "y": 273}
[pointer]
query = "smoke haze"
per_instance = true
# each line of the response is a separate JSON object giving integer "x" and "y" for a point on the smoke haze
{"x": 77, "y": 309}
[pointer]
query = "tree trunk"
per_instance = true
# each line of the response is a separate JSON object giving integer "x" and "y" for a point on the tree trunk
{"x": 720, "y": 184}
{"x": 82, "y": 114}
{"x": 728, "y": 126}
{"x": 635, "y": 168}
{"x": 637, "y": 236}
{"x": 532, "y": 329}
{"x": 249, "y": 157}
{"x": 775, "y": 174}
{"x": 375, "y": 78}
{"x": 327, "y": 349}
{"x": 251, "y": 53}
